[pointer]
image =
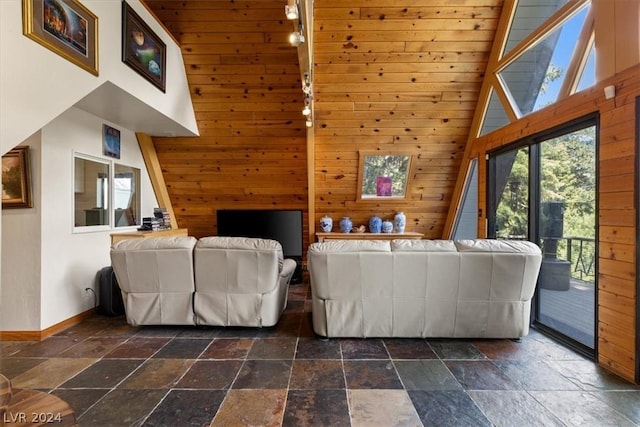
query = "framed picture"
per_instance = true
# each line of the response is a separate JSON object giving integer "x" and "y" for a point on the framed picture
{"x": 65, "y": 27}
{"x": 142, "y": 49}
{"x": 110, "y": 141}
{"x": 16, "y": 179}
{"x": 383, "y": 175}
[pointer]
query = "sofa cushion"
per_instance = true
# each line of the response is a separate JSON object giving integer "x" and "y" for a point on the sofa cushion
{"x": 422, "y": 245}
{"x": 250, "y": 243}
{"x": 167, "y": 242}
{"x": 351, "y": 246}
{"x": 497, "y": 246}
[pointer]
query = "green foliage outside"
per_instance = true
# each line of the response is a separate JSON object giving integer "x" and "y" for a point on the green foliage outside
{"x": 568, "y": 175}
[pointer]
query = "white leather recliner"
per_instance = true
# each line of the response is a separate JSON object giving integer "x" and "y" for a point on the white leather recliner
{"x": 217, "y": 281}
{"x": 240, "y": 281}
{"x": 156, "y": 279}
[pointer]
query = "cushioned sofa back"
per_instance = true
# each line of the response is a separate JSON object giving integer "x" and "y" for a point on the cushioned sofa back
{"x": 351, "y": 285}
{"x": 428, "y": 288}
{"x": 233, "y": 274}
{"x": 156, "y": 279}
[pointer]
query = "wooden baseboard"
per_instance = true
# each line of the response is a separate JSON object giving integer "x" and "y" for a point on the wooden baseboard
{"x": 52, "y": 330}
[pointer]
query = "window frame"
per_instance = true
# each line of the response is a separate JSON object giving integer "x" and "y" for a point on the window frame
{"x": 110, "y": 209}
{"x": 362, "y": 155}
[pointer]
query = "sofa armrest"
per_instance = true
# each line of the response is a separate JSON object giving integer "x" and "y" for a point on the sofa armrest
{"x": 288, "y": 268}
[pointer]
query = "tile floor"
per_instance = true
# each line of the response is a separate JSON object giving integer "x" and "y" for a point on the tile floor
{"x": 116, "y": 375}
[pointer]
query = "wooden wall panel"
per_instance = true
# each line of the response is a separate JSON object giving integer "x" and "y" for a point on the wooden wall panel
{"x": 617, "y": 198}
{"x": 245, "y": 86}
{"x": 395, "y": 77}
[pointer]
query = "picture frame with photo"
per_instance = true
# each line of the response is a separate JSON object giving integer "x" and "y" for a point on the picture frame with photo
{"x": 142, "y": 49}
{"x": 65, "y": 27}
{"x": 16, "y": 179}
{"x": 110, "y": 141}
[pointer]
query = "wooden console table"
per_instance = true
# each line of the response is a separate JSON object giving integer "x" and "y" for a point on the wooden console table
{"x": 368, "y": 236}
{"x": 116, "y": 237}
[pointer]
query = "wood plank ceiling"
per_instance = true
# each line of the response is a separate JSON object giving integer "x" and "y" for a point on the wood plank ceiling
{"x": 389, "y": 75}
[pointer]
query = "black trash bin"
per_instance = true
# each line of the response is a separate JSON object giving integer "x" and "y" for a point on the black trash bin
{"x": 109, "y": 293}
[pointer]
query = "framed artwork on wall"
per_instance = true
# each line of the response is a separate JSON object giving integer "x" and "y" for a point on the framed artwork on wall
{"x": 110, "y": 142}
{"x": 142, "y": 49}
{"x": 383, "y": 175}
{"x": 16, "y": 179}
{"x": 65, "y": 27}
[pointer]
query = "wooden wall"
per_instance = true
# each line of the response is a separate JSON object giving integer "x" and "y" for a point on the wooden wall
{"x": 391, "y": 77}
{"x": 617, "y": 184}
{"x": 245, "y": 85}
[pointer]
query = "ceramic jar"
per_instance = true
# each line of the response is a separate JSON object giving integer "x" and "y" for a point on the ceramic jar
{"x": 375, "y": 224}
{"x": 326, "y": 224}
{"x": 345, "y": 225}
{"x": 387, "y": 226}
{"x": 400, "y": 222}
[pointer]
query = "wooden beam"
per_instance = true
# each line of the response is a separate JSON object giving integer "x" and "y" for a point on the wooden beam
{"x": 155, "y": 174}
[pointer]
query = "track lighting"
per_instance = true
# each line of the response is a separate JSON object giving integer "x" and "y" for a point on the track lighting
{"x": 307, "y": 88}
{"x": 296, "y": 38}
{"x": 291, "y": 11}
{"x": 306, "y": 110}
{"x": 309, "y": 123}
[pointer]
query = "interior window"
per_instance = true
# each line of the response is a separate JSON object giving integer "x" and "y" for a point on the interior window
{"x": 126, "y": 195}
{"x": 383, "y": 175}
{"x": 91, "y": 192}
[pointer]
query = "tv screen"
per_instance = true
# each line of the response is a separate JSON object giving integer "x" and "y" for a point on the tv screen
{"x": 285, "y": 226}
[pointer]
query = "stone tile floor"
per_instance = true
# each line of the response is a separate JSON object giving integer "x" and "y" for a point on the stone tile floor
{"x": 116, "y": 375}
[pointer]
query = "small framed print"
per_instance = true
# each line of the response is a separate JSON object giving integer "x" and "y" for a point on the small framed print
{"x": 16, "y": 179}
{"x": 110, "y": 142}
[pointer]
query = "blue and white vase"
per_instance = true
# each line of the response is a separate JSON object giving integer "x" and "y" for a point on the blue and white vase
{"x": 345, "y": 225}
{"x": 375, "y": 224}
{"x": 326, "y": 224}
{"x": 387, "y": 226}
{"x": 400, "y": 222}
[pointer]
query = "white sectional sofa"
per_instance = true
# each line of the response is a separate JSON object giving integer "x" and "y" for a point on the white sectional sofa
{"x": 423, "y": 288}
{"x": 217, "y": 281}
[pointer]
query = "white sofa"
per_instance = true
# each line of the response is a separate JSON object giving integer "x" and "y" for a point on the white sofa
{"x": 423, "y": 288}
{"x": 217, "y": 281}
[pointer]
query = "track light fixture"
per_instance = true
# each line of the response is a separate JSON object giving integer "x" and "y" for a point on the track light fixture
{"x": 308, "y": 123}
{"x": 291, "y": 10}
{"x": 307, "y": 88}
{"x": 306, "y": 111}
{"x": 296, "y": 38}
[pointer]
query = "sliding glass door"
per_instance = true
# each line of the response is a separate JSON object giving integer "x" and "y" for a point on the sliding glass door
{"x": 544, "y": 190}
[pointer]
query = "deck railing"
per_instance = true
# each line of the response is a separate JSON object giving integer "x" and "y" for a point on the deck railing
{"x": 581, "y": 252}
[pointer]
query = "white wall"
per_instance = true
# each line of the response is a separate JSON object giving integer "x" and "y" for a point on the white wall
{"x": 20, "y": 296}
{"x": 45, "y": 265}
{"x": 36, "y": 84}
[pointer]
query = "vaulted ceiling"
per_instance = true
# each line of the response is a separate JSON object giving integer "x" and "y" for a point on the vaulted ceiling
{"x": 388, "y": 75}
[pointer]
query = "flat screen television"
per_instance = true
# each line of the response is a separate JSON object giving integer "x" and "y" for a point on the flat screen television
{"x": 285, "y": 226}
